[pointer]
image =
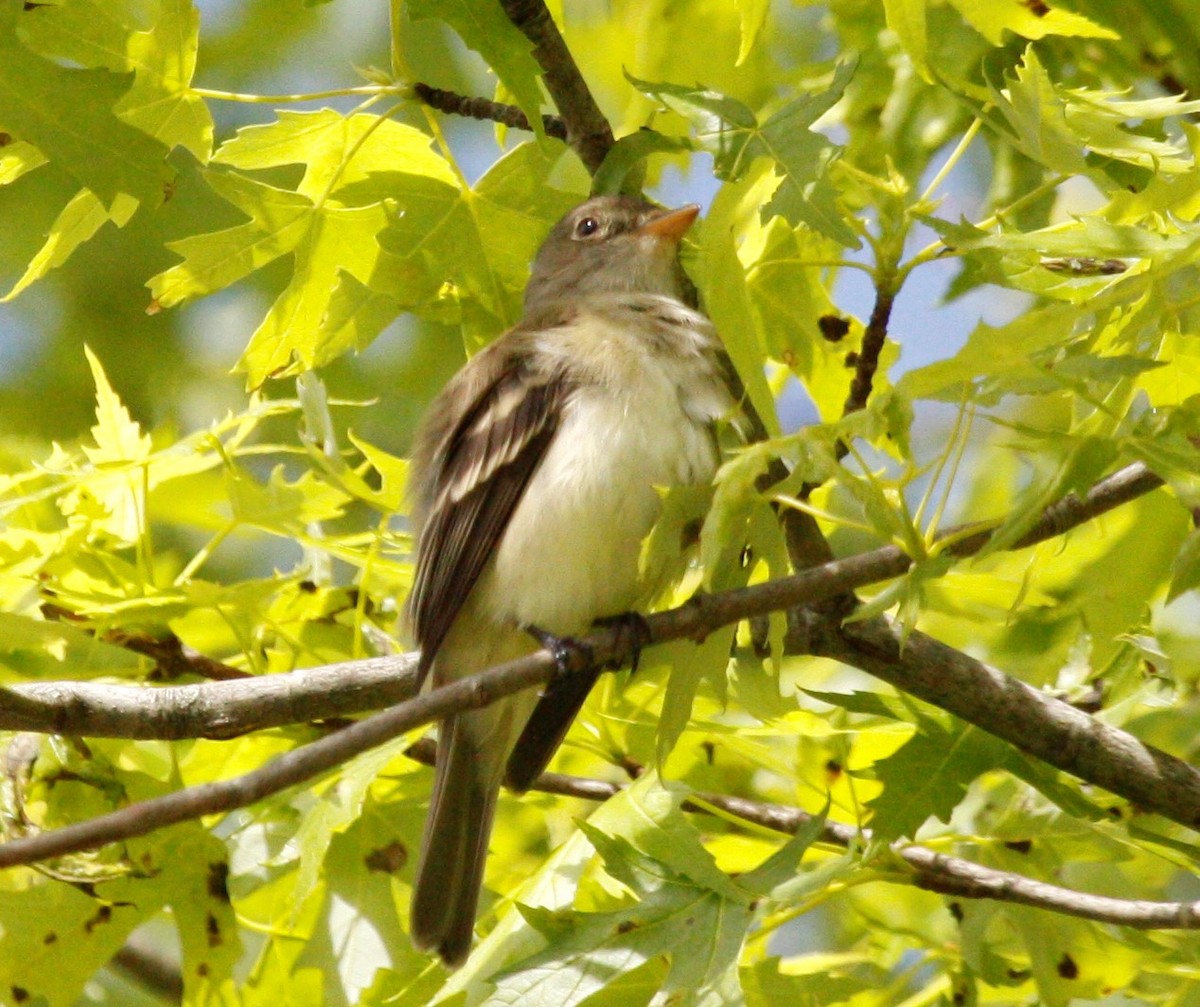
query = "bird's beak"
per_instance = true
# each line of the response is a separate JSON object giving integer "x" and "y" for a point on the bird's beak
{"x": 671, "y": 225}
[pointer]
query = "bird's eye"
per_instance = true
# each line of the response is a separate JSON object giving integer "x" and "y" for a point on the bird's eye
{"x": 587, "y": 227}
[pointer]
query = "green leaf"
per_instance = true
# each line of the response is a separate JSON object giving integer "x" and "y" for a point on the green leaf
{"x": 162, "y": 59}
{"x": 79, "y": 220}
{"x": 1185, "y": 572}
{"x": 623, "y": 169}
{"x": 1055, "y": 125}
{"x": 700, "y": 928}
{"x": 928, "y": 776}
{"x": 723, "y": 281}
{"x": 118, "y": 437}
{"x": 279, "y": 221}
{"x": 907, "y": 19}
{"x": 835, "y": 981}
{"x": 473, "y": 248}
{"x": 37, "y": 648}
{"x": 349, "y": 160}
{"x": 732, "y": 133}
{"x": 18, "y": 157}
{"x": 993, "y": 20}
{"x": 281, "y": 504}
{"x": 484, "y": 27}
{"x": 752, "y": 15}
{"x": 784, "y": 864}
{"x": 68, "y": 115}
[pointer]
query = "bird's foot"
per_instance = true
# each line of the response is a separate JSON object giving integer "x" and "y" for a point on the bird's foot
{"x": 633, "y": 634}
{"x": 570, "y": 655}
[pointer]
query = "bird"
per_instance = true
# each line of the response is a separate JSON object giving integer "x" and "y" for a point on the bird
{"x": 534, "y": 477}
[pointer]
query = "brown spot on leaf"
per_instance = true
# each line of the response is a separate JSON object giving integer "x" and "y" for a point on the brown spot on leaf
{"x": 1067, "y": 968}
{"x": 1037, "y": 8}
{"x": 212, "y": 928}
{"x": 956, "y": 911}
{"x": 851, "y": 359}
{"x": 218, "y": 880}
{"x": 388, "y": 859}
{"x": 202, "y": 969}
{"x": 833, "y": 327}
{"x": 19, "y": 994}
{"x": 1020, "y": 845}
{"x": 50, "y": 938}
{"x": 103, "y": 915}
{"x": 833, "y": 769}
{"x": 625, "y": 926}
{"x": 5, "y": 139}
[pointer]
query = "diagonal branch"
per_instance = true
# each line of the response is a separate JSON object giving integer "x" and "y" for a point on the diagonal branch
{"x": 287, "y": 770}
{"x": 227, "y": 709}
{"x": 1160, "y": 783}
{"x": 588, "y": 131}
{"x": 932, "y": 871}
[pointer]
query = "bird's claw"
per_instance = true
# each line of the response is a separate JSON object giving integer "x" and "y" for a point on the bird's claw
{"x": 570, "y": 655}
{"x": 633, "y": 634}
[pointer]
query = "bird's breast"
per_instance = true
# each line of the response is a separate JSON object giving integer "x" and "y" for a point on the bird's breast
{"x": 571, "y": 551}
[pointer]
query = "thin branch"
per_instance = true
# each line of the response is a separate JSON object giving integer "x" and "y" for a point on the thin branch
{"x": 588, "y": 131}
{"x": 874, "y": 337}
{"x": 932, "y": 871}
{"x": 151, "y": 969}
{"x": 453, "y": 103}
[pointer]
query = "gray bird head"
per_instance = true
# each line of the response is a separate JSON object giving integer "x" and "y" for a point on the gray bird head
{"x": 611, "y": 244}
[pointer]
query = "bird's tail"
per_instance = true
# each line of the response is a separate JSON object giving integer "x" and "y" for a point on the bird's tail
{"x": 454, "y": 846}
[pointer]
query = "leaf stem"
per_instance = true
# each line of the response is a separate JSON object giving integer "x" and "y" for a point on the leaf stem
{"x": 955, "y": 156}
{"x": 375, "y": 90}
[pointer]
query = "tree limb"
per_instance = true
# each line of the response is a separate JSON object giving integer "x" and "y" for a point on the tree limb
{"x": 227, "y": 709}
{"x": 297, "y": 766}
{"x": 588, "y": 131}
{"x": 1160, "y": 783}
{"x": 932, "y": 871}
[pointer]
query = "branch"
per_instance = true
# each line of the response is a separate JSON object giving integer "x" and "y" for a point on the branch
{"x": 588, "y": 131}
{"x": 211, "y": 709}
{"x": 151, "y": 969}
{"x": 932, "y": 871}
{"x": 287, "y": 770}
{"x": 874, "y": 337}
{"x": 227, "y": 709}
{"x": 487, "y": 110}
{"x": 1164, "y": 784}
{"x": 1032, "y": 721}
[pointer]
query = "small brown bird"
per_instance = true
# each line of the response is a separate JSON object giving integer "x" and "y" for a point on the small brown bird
{"x": 533, "y": 482}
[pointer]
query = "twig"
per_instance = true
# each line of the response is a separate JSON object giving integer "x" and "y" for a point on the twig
{"x": 934, "y": 872}
{"x": 453, "y": 103}
{"x": 588, "y": 131}
{"x": 1034, "y": 722}
{"x": 874, "y": 337}
{"x": 152, "y": 969}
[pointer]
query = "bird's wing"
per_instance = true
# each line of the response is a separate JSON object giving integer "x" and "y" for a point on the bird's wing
{"x": 476, "y": 476}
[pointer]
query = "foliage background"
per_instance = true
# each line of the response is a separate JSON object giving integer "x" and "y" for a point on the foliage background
{"x": 149, "y": 494}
